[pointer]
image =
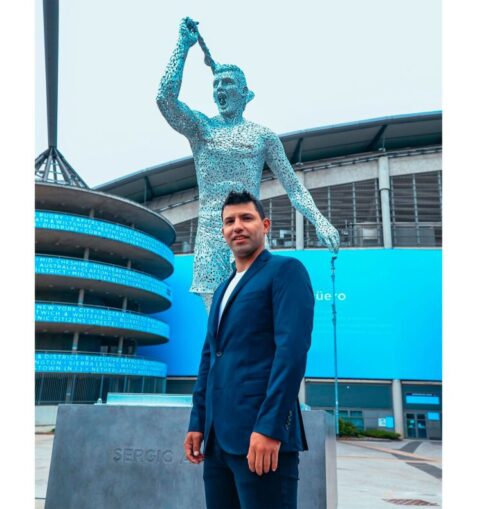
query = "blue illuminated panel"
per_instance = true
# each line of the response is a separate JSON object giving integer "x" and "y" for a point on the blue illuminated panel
{"x": 79, "y": 363}
{"x": 101, "y": 272}
{"x": 389, "y": 305}
{"x": 433, "y": 416}
{"x": 167, "y": 400}
{"x": 84, "y": 315}
{"x": 422, "y": 399}
{"x": 104, "y": 229}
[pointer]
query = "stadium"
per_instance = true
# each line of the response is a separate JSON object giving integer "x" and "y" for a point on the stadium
{"x": 379, "y": 182}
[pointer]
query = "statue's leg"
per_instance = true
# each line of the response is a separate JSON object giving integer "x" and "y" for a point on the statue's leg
{"x": 207, "y": 300}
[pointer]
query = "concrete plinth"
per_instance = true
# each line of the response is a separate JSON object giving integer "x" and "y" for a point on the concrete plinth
{"x": 45, "y": 415}
{"x": 119, "y": 457}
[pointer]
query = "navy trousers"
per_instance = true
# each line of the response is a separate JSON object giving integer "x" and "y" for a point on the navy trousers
{"x": 229, "y": 484}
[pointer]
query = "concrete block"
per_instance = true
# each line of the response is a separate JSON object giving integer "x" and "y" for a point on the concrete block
{"x": 120, "y": 457}
{"x": 45, "y": 415}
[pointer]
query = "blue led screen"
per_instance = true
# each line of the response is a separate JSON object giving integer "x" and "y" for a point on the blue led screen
{"x": 55, "y": 265}
{"x": 105, "y": 229}
{"x": 79, "y": 363}
{"x": 90, "y": 315}
{"x": 422, "y": 399}
{"x": 388, "y": 315}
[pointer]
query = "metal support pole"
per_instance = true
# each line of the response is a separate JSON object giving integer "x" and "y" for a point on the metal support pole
{"x": 101, "y": 388}
{"x": 40, "y": 391}
{"x": 302, "y": 392}
{"x": 384, "y": 187}
{"x": 70, "y": 388}
{"x": 74, "y": 347}
{"x": 51, "y": 29}
{"x": 335, "y": 347}
{"x": 299, "y": 221}
{"x": 73, "y": 387}
{"x": 397, "y": 407}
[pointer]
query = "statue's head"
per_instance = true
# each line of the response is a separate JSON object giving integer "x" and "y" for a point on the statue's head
{"x": 231, "y": 93}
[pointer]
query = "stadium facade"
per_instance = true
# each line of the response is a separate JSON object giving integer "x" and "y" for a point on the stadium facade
{"x": 380, "y": 183}
{"x": 100, "y": 263}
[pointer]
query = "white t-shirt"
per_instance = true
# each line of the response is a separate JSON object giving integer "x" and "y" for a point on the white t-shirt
{"x": 238, "y": 276}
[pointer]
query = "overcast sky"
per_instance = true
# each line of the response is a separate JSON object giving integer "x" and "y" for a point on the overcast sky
{"x": 310, "y": 63}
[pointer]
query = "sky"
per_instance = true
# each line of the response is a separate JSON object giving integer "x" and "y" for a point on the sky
{"x": 310, "y": 63}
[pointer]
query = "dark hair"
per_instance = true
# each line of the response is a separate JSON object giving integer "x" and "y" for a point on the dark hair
{"x": 235, "y": 198}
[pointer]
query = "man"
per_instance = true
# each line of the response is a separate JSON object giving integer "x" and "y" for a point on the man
{"x": 245, "y": 405}
{"x": 229, "y": 155}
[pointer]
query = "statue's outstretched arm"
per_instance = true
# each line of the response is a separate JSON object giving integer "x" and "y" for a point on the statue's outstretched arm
{"x": 299, "y": 196}
{"x": 179, "y": 116}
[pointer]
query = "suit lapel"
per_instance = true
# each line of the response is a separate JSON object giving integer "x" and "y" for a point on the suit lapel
{"x": 214, "y": 310}
{"x": 258, "y": 264}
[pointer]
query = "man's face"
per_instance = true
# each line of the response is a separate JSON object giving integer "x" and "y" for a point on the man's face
{"x": 243, "y": 229}
{"x": 229, "y": 93}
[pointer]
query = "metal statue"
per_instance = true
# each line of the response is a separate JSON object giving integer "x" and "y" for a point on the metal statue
{"x": 229, "y": 154}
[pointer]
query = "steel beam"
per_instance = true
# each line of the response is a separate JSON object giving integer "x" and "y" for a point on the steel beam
{"x": 374, "y": 145}
{"x": 296, "y": 156}
{"x": 51, "y": 23}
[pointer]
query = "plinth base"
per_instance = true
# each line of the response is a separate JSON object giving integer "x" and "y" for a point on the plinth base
{"x": 121, "y": 457}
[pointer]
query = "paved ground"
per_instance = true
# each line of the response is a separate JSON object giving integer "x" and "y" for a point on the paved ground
{"x": 369, "y": 472}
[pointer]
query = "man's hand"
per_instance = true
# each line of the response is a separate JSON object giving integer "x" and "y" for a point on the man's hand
{"x": 192, "y": 443}
{"x": 262, "y": 453}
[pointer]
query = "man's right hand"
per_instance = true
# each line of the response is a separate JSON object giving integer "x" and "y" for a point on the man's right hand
{"x": 192, "y": 443}
{"x": 188, "y": 32}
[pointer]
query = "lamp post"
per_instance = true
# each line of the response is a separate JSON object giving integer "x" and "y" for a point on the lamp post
{"x": 333, "y": 308}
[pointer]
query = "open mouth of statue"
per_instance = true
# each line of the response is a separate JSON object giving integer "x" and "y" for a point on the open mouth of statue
{"x": 222, "y": 99}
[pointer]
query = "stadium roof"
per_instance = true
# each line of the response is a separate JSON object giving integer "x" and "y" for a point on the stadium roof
{"x": 390, "y": 133}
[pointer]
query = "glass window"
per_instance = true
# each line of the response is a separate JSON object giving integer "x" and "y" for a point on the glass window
{"x": 357, "y": 421}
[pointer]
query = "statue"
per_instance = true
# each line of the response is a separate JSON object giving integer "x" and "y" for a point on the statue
{"x": 229, "y": 154}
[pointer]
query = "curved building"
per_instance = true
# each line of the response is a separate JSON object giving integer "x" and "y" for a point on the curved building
{"x": 379, "y": 182}
{"x": 100, "y": 264}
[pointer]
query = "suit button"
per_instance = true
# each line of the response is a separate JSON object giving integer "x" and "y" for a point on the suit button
{"x": 219, "y": 354}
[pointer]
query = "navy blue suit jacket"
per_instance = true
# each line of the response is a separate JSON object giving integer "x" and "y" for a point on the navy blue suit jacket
{"x": 253, "y": 363}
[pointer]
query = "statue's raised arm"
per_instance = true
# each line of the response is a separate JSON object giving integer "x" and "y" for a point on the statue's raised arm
{"x": 299, "y": 195}
{"x": 229, "y": 155}
{"x": 179, "y": 116}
